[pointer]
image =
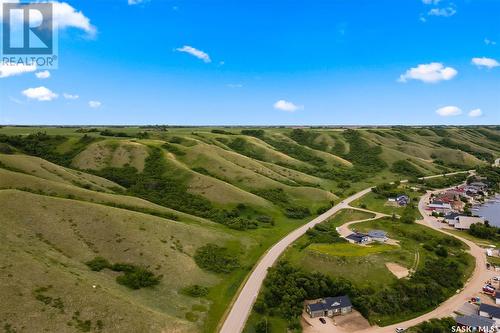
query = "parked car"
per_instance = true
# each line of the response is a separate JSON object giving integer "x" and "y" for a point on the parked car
{"x": 400, "y": 330}
{"x": 322, "y": 320}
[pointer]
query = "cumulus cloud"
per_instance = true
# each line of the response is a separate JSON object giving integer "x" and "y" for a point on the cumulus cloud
{"x": 195, "y": 52}
{"x": 287, "y": 106}
{"x": 95, "y": 104}
{"x": 444, "y": 12}
{"x": 488, "y": 41}
{"x": 448, "y": 111}
{"x": 9, "y": 69}
{"x": 64, "y": 16}
{"x": 431, "y": 2}
{"x": 135, "y": 2}
{"x": 70, "y": 96}
{"x": 475, "y": 113}
{"x": 42, "y": 94}
{"x": 485, "y": 62}
{"x": 42, "y": 75}
{"x": 429, "y": 73}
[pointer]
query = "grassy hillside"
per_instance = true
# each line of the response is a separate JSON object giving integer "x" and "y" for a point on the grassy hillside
{"x": 155, "y": 197}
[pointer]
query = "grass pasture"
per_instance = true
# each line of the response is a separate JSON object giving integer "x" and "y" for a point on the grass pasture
{"x": 55, "y": 215}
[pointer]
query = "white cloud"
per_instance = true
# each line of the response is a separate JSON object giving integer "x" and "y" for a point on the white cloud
{"x": 70, "y": 96}
{"x": 475, "y": 113}
{"x": 234, "y": 85}
{"x": 42, "y": 75}
{"x": 431, "y": 2}
{"x": 136, "y": 2}
{"x": 64, "y": 16}
{"x": 7, "y": 69}
{"x": 444, "y": 12}
{"x": 429, "y": 73}
{"x": 95, "y": 104}
{"x": 448, "y": 111}
{"x": 488, "y": 41}
{"x": 195, "y": 52}
{"x": 485, "y": 62}
{"x": 40, "y": 93}
{"x": 287, "y": 106}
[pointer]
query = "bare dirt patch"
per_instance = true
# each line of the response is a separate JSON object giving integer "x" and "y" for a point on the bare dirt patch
{"x": 398, "y": 270}
{"x": 351, "y": 322}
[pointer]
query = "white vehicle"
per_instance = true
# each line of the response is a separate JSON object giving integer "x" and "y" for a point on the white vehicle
{"x": 400, "y": 330}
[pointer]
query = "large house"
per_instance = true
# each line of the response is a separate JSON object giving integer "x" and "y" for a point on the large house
{"x": 440, "y": 207}
{"x": 378, "y": 235}
{"x": 358, "y": 238}
{"x": 329, "y": 307}
{"x": 475, "y": 323}
{"x": 490, "y": 311}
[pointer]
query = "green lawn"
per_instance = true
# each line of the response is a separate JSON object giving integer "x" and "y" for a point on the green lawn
{"x": 349, "y": 249}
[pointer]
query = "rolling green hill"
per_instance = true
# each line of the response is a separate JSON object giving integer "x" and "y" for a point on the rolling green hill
{"x": 190, "y": 208}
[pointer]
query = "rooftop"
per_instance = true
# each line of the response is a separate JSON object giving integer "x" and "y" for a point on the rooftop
{"x": 474, "y": 321}
{"x": 493, "y": 311}
{"x": 330, "y": 303}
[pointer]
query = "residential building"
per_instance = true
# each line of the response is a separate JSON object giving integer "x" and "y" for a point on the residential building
{"x": 476, "y": 323}
{"x": 358, "y": 238}
{"x": 490, "y": 311}
{"x": 378, "y": 235}
{"x": 329, "y": 307}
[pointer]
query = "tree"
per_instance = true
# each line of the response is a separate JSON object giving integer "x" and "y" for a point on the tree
{"x": 262, "y": 326}
{"x": 408, "y": 215}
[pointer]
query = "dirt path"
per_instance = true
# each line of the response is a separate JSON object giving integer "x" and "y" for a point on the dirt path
{"x": 344, "y": 230}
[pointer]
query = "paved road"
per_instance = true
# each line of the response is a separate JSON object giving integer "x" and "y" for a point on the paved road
{"x": 240, "y": 310}
{"x": 235, "y": 320}
{"x": 472, "y": 287}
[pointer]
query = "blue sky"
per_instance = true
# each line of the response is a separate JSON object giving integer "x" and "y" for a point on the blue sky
{"x": 265, "y": 63}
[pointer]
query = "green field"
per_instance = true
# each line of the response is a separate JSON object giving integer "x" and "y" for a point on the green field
{"x": 365, "y": 266}
{"x": 151, "y": 196}
{"x": 349, "y": 250}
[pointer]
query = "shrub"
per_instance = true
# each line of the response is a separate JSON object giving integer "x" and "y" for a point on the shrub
{"x": 297, "y": 212}
{"x": 406, "y": 168}
{"x": 138, "y": 278}
{"x": 195, "y": 290}
{"x": 134, "y": 277}
{"x": 5, "y": 148}
{"x": 214, "y": 258}
{"x": 98, "y": 264}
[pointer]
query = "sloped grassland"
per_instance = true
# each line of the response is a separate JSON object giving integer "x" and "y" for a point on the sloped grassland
{"x": 155, "y": 197}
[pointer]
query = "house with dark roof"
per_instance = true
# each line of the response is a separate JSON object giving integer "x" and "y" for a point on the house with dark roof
{"x": 490, "y": 311}
{"x": 329, "y": 307}
{"x": 475, "y": 323}
{"x": 378, "y": 235}
{"x": 358, "y": 238}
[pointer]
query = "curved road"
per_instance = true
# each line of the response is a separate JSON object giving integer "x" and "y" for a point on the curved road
{"x": 240, "y": 310}
{"x": 472, "y": 287}
{"x": 235, "y": 320}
